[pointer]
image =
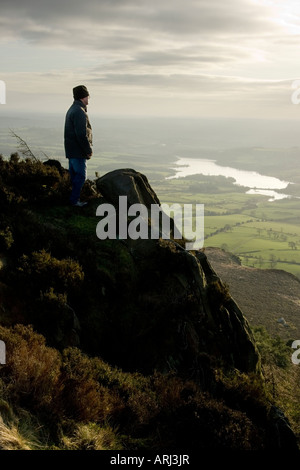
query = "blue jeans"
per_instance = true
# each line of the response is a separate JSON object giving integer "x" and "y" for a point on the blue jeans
{"x": 77, "y": 170}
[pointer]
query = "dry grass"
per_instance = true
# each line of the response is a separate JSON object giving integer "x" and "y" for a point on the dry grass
{"x": 91, "y": 437}
{"x": 19, "y": 434}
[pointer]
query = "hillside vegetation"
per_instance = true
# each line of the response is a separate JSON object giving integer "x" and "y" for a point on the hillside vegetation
{"x": 94, "y": 353}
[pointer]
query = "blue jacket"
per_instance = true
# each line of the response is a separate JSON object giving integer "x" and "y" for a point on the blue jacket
{"x": 78, "y": 132}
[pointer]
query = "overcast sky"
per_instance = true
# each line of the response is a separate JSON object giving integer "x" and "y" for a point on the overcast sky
{"x": 206, "y": 58}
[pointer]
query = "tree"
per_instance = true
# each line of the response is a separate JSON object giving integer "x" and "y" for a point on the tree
{"x": 23, "y": 147}
{"x": 273, "y": 261}
{"x": 293, "y": 245}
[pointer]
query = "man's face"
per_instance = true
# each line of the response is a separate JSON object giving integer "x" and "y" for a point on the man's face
{"x": 85, "y": 100}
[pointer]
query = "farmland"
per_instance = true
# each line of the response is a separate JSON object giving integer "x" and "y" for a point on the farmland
{"x": 261, "y": 233}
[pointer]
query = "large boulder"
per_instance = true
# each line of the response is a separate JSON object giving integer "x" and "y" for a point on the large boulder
{"x": 176, "y": 310}
{"x": 134, "y": 186}
{"x": 127, "y": 182}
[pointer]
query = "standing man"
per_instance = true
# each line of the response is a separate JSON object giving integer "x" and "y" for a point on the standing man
{"x": 78, "y": 142}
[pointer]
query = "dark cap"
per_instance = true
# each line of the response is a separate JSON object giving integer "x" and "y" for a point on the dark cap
{"x": 80, "y": 92}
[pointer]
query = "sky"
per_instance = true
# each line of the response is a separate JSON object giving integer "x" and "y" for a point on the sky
{"x": 180, "y": 58}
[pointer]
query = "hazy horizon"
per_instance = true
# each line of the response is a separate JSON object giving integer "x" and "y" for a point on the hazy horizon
{"x": 223, "y": 132}
{"x": 145, "y": 143}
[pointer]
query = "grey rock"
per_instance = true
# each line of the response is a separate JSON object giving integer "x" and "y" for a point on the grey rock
{"x": 185, "y": 308}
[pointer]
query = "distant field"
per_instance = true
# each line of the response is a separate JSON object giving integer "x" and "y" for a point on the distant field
{"x": 262, "y": 234}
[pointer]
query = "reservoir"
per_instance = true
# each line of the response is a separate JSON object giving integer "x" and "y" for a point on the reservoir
{"x": 253, "y": 181}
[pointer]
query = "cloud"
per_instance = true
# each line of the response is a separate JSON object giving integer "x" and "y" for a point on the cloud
{"x": 194, "y": 50}
{"x": 42, "y": 20}
{"x": 145, "y": 32}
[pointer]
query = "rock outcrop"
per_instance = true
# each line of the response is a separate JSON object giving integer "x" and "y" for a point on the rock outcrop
{"x": 127, "y": 182}
{"x": 182, "y": 311}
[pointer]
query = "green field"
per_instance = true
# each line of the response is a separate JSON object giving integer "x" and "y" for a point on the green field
{"x": 261, "y": 233}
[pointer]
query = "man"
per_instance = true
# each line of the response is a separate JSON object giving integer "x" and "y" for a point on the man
{"x": 78, "y": 142}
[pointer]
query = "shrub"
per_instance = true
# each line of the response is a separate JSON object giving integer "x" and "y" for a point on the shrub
{"x": 273, "y": 350}
{"x": 31, "y": 180}
{"x": 14, "y": 158}
{"x": 208, "y": 423}
{"x": 32, "y": 369}
{"x": 55, "y": 319}
{"x": 83, "y": 396}
{"x": 6, "y": 238}
{"x": 218, "y": 293}
{"x": 243, "y": 391}
{"x": 42, "y": 271}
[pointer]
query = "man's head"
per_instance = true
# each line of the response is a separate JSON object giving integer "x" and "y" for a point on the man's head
{"x": 80, "y": 92}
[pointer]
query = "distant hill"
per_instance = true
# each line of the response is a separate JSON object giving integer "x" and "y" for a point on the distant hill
{"x": 264, "y": 295}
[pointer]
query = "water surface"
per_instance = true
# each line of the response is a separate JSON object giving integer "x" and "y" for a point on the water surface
{"x": 255, "y": 182}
